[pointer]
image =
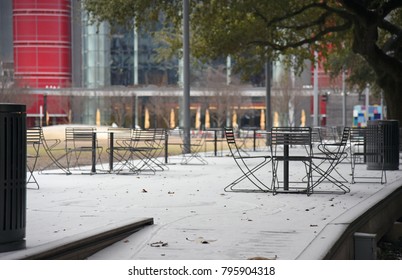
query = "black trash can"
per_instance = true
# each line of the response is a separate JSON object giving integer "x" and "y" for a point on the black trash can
{"x": 390, "y": 130}
{"x": 12, "y": 176}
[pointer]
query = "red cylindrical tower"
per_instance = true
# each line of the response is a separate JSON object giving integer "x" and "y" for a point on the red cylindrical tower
{"x": 42, "y": 42}
{"x": 42, "y": 47}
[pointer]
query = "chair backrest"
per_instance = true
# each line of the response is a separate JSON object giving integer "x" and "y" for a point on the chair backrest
{"x": 229, "y": 135}
{"x": 230, "y": 139}
{"x": 155, "y": 138}
{"x": 34, "y": 135}
{"x": 79, "y": 133}
{"x": 144, "y": 135}
{"x": 75, "y": 135}
{"x": 120, "y": 133}
{"x": 150, "y": 139}
{"x": 345, "y": 135}
{"x": 291, "y": 136}
{"x": 159, "y": 135}
{"x": 144, "y": 138}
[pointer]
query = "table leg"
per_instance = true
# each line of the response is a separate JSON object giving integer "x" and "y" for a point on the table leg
{"x": 166, "y": 146}
{"x": 111, "y": 150}
{"x": 93, "y": 170}
{"x": 254, "y": 139}
{"x": 216, "y": 142}
{"x": 286, "y": 168}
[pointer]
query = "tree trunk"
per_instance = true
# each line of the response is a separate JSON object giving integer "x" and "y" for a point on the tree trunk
{"x": 388, "y": 69}
{"x": 393, "y": 98}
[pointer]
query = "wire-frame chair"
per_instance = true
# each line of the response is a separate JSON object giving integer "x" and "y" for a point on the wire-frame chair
{"x": 248, "y": 170}
{"x": 329, "y": 138}
{"x": 282, "y": 139}
{"x": 34, "y": 142}
{"x": 56, "y": 151}
{"x": 360, "y": 152}
{"x": 79, "y": 140}
{"x": 330, "y": 156}
{"x": 149, "y": 144}
{"x": 196, "y": 144}
{"x": 121, "y": 148}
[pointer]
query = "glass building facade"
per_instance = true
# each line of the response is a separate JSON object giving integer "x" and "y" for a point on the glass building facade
{"x": 134, "y": 60}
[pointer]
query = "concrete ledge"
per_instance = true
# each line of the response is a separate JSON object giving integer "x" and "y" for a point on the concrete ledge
{"x": 82, "y": 245}
{"x": 376, "y": 214}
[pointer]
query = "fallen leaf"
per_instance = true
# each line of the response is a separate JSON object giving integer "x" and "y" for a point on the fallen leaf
{"x": 263, "y": 258}
{"x": 159, "y": 244}
{"x": 201, "y": 240}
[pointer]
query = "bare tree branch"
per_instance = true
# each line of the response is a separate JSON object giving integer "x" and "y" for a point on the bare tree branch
{"x": 309, "y": 40}
{"x": 270, "y": 23}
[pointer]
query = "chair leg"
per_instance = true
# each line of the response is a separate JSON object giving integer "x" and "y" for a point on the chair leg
{"x": 326, "y": 175}
{"x": 31, "y": 168}
{"x": 187, "y": 159}
{"x": 251, "y": 177}
{"x": 275, "y": 180}
{"x": 353, "y": 166}
{"x": 383, "y": 174}
{"x": 31, "y": 178}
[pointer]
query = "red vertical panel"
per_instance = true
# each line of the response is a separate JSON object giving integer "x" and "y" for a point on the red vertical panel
{"x": 42, "y": 47}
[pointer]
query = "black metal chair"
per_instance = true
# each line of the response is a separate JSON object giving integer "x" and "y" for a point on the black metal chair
{"x": 329, "y": 139}
{"x": 325, "y": 162}
{"x": 282, "y": 139}
{"x": 57, "y": 154}
{"x": 137, "y": 150}
{"x": 197, "y": 142}
{"x": 79, "y": 140}
{"x": 148, "y": 145}
{"x": 248, "y": 170}
{"x": 34, "y": 142}
{"x": 359, "y": 152}
{"x": 122, "y": 149}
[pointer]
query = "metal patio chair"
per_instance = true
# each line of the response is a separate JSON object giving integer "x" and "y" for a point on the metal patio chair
{"x": 149, "y": 145}
{"x": 121, "y": 148}
{"x": 197, "y": 142}
{"x": 133, "y": 150}
{"x": 56, "y": 153}
{"x": 359, "y": 152}
{"x": 34, "y": 142}
{"x": 326, "y": 161}
{"x": 282, "y": 139}
{"x": 79, "y": 140}
{"x": 328, "y": 139}
{"x": 248, "y": 169}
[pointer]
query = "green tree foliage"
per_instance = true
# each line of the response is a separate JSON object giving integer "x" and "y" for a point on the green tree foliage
{"x": 252, "y": 31}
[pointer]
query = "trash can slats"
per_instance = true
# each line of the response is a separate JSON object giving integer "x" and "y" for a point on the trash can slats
{"x": 12, "y": 176}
